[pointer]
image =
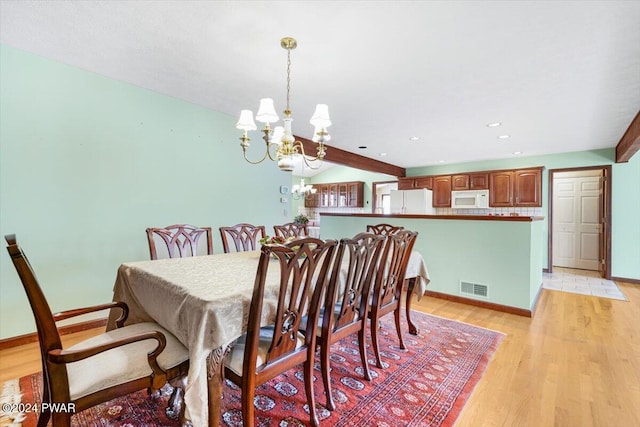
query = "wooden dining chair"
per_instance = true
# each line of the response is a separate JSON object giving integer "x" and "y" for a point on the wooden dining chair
{"x": 245, "y": 237}
{"x": 101, "y": 368}
{"x": 387, "y": 288}
{"x": 383, "y": 229}
{"x": 347, "y": 300}
{"x": 265, "y": 352}
{"x": 291, "y": 229}
{"x": 180, "y": 240}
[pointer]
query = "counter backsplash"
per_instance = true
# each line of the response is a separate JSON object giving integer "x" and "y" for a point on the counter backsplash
{"x": 314, "y": 214}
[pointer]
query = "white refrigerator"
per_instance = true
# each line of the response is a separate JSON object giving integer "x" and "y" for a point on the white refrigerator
{"x": 412, "y": 202}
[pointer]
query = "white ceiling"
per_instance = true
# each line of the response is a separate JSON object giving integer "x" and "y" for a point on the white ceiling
{"x": 560, "y": 76}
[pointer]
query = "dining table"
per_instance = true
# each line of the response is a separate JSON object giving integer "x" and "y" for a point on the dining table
{"x": 204, "y": 301}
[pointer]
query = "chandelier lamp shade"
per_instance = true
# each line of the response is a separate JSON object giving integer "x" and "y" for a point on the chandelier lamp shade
{"x": 280, "y": 144}
{"x": 302, "y": 191}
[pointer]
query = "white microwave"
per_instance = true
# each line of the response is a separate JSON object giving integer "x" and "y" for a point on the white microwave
{"x": 470, "y": 199}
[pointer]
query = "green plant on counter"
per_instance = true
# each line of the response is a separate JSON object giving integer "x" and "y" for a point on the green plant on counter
{"x": 301, "y": 219}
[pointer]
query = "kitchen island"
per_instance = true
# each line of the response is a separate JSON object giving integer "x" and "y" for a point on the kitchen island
{"x": 489, "y": 261}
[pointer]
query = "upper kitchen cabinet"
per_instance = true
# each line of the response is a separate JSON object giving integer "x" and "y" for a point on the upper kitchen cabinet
{"x": 517, "y": 188}
{"x": 470, "y": 181}
{"x": 415, "y": 182}
{"x": 337, "y": 195}
{"x": 405, "y": 183}
{"x": 355, "y": 194}
{"x": 442, "y": 191}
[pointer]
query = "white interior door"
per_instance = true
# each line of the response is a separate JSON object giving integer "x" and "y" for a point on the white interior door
{"x": 576, "y": 222}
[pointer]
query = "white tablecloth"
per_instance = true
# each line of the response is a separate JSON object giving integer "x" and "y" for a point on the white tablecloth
{"x": 418, "y": 269}
{"x": 204, "y": 301}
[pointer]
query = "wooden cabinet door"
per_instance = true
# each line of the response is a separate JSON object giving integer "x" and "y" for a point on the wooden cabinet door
{"x": 501, "y": 189}
{"x": 406, "y": 183}
{"x": 423, "y": 182}
{"x": 460, "y": 182}
{"x": 333, "y": 195}
{"x": 342, "y": 196}
{"x": 442, "y": 191}
{"x": 313, "y": 201}
{"x": 527, "y": 188}
{"x": 324, "y": 196}
{"x": 355, "y": 195}
{"x": 478, "y": 181}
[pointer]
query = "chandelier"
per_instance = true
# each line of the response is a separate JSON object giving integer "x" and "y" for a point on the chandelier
{"x": 280, "y": 143}
{"x": 302, "y": 191}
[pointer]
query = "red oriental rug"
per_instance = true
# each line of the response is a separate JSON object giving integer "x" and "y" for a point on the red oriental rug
{"x": 425, "y": 385}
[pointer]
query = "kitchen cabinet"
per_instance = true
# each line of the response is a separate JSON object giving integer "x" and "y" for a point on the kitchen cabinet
{"x": 470, "y": 181}
{"x": 355, "y": 194}
{"x": 423, "y": 182}
{"x": 415, "y": 183}
{"x": 516, "y": 188}
{"x": 333, "y": 195}
{"x": 442, "y": 191}
{"x": 337, "y": 195}
{"x": 313, "y": 201}
{"x": 406, "y": 183}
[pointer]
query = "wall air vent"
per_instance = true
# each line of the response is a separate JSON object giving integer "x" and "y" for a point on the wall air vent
{"x": 474, "y": 289}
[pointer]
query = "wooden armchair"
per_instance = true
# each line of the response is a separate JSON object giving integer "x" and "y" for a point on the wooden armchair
{"x": 265, "y": 352}
{"x": 244, "y": 236}
{"x": 291, "y": 229}
{"x": 353, "y": 272}
{"x": 112, "y": 364}
{"x": 181, "y": 240}
{"x": 388, "y": 283}
{"x": 383, "y": 229}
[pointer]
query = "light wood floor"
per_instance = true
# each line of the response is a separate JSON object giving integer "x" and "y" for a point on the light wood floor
{"x": 576, "y": 363}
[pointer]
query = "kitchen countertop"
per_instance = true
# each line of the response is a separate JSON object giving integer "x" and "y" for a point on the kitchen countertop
{"x": 456, "y": 217}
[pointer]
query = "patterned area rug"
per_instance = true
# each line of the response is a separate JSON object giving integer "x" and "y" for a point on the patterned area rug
{"x": 425, "y": 385}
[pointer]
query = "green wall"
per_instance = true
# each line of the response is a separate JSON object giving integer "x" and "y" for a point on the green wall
{"x": 625, "y": 232}
{"x": 503, "y": 255}
{"x": 87, "y": 163}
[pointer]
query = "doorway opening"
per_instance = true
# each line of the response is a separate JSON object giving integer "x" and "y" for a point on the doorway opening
{"x": 380, "y": 194}
{"x": 580, "y": 219}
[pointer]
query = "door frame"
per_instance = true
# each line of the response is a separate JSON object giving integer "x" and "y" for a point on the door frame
{"x": 605, "y": 206}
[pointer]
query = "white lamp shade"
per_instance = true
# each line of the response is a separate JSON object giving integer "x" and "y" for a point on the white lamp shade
{"x": 246, "y": 121}
{"x": 316, "y": 137}
{"x": 266, "y": 111}
{"x": 276, "y": 136}
{"x": 320, "y": 118}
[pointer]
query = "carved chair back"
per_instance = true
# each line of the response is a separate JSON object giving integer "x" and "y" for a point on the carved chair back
{"x": 291, "y": 229}
{"x": 347, "y": 299}
{"x": 383, "y": 229}
{"x": 179, "y": 240}
{"x": 304, "y": 272}
{"x": 245, "y": 237}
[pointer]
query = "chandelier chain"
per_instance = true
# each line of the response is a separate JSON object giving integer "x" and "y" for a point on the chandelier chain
{"x": 288, "y": 76}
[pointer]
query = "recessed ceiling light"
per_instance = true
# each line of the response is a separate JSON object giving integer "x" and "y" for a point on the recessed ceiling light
{"x": 503, "y": 136}
{"x": 383, "y": 154}
{"x": 414, "y": 138}
{"x": 362, "y": 147}
{"x": 494, "y": 124}
{"x": 517, "y": 152}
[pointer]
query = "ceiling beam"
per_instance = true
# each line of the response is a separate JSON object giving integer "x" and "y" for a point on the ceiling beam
{"x": 346, "y": 158}
{"x": 630, "y": 142}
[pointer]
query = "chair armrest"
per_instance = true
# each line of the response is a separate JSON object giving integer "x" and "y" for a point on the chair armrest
{"x": 79, "y": 311}
{"x": 60, "y": 356}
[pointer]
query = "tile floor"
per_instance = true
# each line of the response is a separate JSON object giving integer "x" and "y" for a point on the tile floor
{"x": 583, "y": 282}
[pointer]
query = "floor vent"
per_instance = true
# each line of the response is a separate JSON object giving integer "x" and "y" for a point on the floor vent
{"x": 474, "y": 289}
